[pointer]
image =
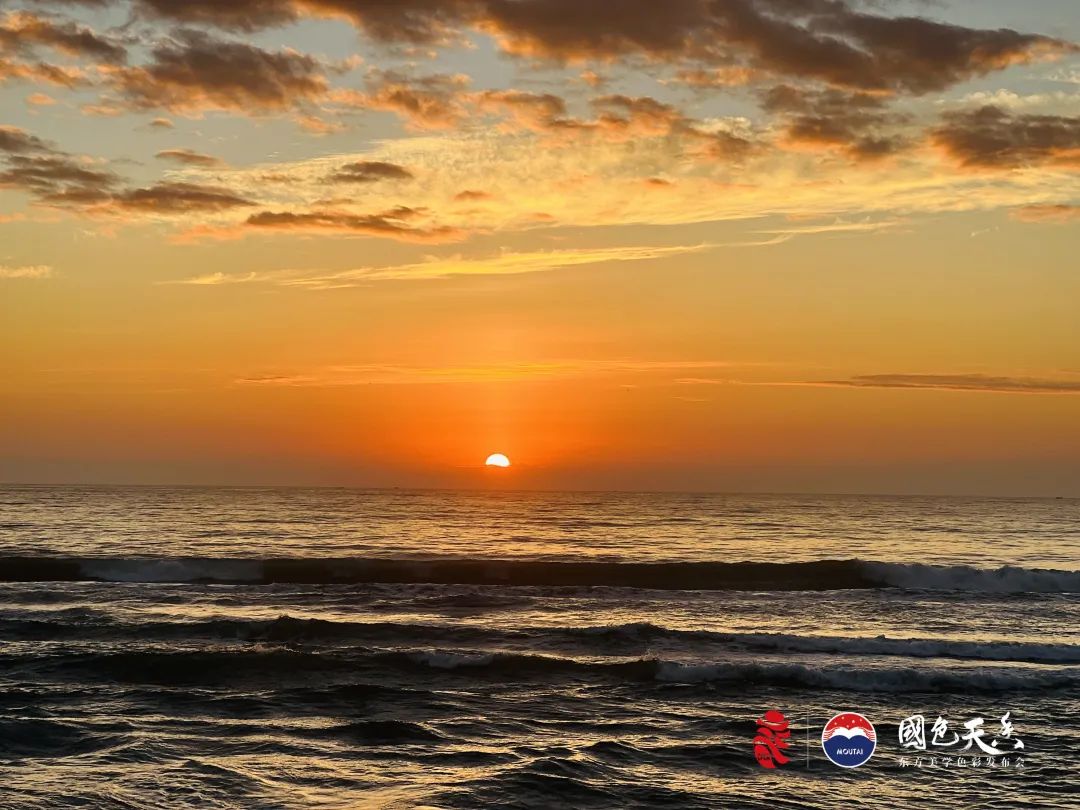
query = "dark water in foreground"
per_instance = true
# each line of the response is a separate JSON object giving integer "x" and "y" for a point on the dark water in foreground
{"x": 285, "y": 649}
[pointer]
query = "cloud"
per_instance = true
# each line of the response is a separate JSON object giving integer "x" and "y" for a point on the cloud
{"x": 711, "y": 78}
{"x": 161, "y": 123}
{"x": 41, "y": 72}
{"x": 317, "y": 125}
{"x": 1059, "y": 214}
{"x": 370, "y": 171}
{"x": 992, "y": 138}
{"x": 40, "y": 100}
{"x": 472, "y": 195}
{"x": 21, "y": 32}
{"x": 618, "y": 118}
{"x": 839, "y": 42}
{"x": 959, "y": 382}
{"x": 535, "y": 111}
{"x": 235, "y": 15}
{"x": 826, "y": 40}
{"x": 189, "y": 157}
{"x": 393, "y": 374}
{"x": 437, "y": 268}
{"x": 15, "y": 140}
{"x": 395, "y": 223}
{"x": 1056, "y": 102}
{"x": 58, "y": 179}
{"x": 425, "y": 102}
{"x": 855, "y": 123}
{"x": 32, "y": 165}
{"x": 193, "y": 71}
{"x": 865, "y": 226}
{"x": 36, "y": 271}
{"x": 178, "y": 198}
{"x": 52, "y": 173}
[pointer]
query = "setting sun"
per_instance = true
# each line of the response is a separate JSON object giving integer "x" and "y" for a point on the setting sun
{"x": 497, "y": 460}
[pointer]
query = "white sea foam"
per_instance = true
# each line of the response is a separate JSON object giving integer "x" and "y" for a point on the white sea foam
{"x": 1007, "y": 579}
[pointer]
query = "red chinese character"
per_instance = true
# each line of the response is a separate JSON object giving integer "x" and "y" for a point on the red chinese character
{"x": 772, "y": 737}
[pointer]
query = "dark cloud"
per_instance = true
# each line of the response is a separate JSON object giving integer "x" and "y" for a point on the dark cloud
{"x": 961, "y": 382}
{"x": 839, "y": 42}
{"x": 920, "y": 55}
{"x": 247, "y": 15}
{"x": 991, "y": 138}
{"x": 179, "y": 198}
{"x": 370, "y": 171}
{"x": 33, "y": 165}
{"x": 194, "y": 71}
{"x": 395, "y": 223}
{"x": 53, "y": 176}
{"x": 404, "y": 21}
{"x": 617, "y": 118}
{"x": 56, "y": 178}
{"x": 857, "y": 124}
{"x": 22, "y": 32}
{"x": 13, "y": 139}
{"x": 626, "y": 117}
{"x": 826, "y": 40}
{"x": 189, "y": 157}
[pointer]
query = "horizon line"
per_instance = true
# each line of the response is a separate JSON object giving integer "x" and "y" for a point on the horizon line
{"x": 532, "y": 490}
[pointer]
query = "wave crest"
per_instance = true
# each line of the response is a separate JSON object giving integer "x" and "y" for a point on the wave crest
{"x": 819, "y": 575}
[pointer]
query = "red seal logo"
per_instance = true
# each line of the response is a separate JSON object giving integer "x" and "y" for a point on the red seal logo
{"x": 771, "y": 740}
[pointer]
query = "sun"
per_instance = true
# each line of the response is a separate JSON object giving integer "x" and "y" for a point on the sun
{"x": 497, "y": 460}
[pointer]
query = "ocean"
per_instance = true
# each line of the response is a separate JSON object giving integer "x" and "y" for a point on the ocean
{"x": 337, "y": 648}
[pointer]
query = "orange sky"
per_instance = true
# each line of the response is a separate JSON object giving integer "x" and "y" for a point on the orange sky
{"x": 341, "y": 246}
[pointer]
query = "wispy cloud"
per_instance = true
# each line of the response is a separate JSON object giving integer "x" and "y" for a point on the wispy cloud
{"x": 393, "y": 374}
{"x": 1058, "y": 214}
{"x": 985, "y": 383}
{"x": 779, "y": 235}
{"x": 959, "y": 382}
{"x": 30, "y": 271}
{"x": 434, "y": 268}
{"x": 189, "y": 157}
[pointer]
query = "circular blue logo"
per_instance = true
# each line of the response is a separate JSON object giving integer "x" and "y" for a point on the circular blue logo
{"x": 849, "y": 740}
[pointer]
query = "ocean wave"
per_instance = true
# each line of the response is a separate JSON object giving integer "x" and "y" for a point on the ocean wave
{"x": 279, "y": 666}
{"x": 876, "y": 679}
{"x": 293, "y": 630}
{"x": 39, "y": 738}
{"x": 1007, "y": 579}
{"x": 1019, "y": 651}
{"x": 377, "y": 732}
{"x": 793, "y": 675}
{"x": 820, "y": 575}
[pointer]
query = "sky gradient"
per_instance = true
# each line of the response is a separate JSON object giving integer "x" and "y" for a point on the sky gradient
{"x": 780, "y": 245}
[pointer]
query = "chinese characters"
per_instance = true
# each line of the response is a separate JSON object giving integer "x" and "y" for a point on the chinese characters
{"x": 998, "y": 750}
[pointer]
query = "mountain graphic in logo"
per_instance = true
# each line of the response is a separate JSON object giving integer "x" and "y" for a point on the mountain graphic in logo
{"x": 849, "y": 740}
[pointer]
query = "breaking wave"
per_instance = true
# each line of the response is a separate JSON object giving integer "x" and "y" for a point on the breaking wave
{"x": 821, "y": 575}
{"x": 612, "y": 638}
{"x": 279, "y": 666}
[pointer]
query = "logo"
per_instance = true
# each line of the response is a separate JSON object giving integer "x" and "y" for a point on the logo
{"x": 771, "y": 740}
{"x": 939, "y": 744}
{"x": 849, "y": 740}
